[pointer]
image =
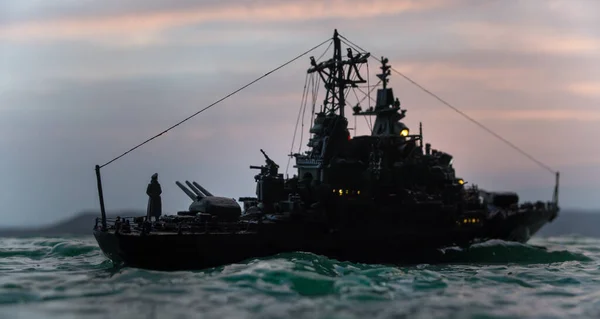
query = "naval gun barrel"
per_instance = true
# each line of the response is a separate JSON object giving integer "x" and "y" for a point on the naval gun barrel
{"x": 186, "y": 191}
{"x": 265, "y": 154}
{"x": 194, "y": 189}
{"x": 202, "y": 189}
{"x": 269, "y": 160}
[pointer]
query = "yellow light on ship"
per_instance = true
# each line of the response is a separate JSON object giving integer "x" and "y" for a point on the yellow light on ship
{"x": 341, "y": 192}
{"x": 358, "y": 192}
{"x": 465, "y": 221}
{"x": 461, "y": 181}
{"x": 404, "y": 132}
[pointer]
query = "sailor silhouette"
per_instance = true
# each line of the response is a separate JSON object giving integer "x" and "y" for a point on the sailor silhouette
{"x": 154, "y": 202}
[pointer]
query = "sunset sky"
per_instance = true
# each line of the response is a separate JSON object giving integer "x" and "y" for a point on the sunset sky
{"x": 83, "y": 81}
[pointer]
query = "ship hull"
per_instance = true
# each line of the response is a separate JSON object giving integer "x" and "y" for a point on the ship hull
{"x": 389, "y": 244}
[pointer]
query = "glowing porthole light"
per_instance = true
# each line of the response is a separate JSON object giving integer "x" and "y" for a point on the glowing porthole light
{"x": 461, "y": 181}
{"x": 341, "y": 192}
{"x": 404, "y": 132}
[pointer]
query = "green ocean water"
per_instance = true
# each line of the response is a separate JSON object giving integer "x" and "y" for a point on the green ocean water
{"x": 557, "y": 277}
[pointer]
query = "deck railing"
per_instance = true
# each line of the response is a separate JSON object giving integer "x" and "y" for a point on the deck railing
{"x": 139, "y": 224}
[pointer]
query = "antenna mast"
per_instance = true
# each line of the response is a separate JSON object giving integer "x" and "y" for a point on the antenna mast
{"x": 335, "y": 78}
{"x": 337, "y": 55}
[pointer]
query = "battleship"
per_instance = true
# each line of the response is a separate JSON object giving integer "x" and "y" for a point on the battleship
{"x": 386, "y": 197}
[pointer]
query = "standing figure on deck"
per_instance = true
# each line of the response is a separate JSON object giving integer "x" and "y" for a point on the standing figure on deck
{"x": 154, "y": 201}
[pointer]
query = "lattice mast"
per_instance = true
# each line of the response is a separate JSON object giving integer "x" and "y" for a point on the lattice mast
{"x": 336, "y": 77}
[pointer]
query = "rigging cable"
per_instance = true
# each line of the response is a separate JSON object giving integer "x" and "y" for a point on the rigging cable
{"x": 368, "y": 95}
{"x": 303, "y": 108}
{"x": 368, "y": 84}
{"x": 368, "y": 87}
{"x": 544, "y": 166}
{"x": 303, "y": 117}
{"x": 297, "y": 121}
{"x": 314, "y": 98}
{"x": 219, "y": 101}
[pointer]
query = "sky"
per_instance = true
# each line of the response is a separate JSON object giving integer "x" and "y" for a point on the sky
{"x": 83, "y": 81}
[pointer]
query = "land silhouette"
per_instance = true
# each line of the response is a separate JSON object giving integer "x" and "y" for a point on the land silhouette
{"x": 80, "y": 224}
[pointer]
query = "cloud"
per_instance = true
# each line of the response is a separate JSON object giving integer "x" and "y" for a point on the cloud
{"x": 529, "y": 114}
{"x": 585, "y": 88}
{"x": 512, "y": 80}
{"x": 581, "y": 11}
{"x": 526, "y": 38}
{"x": 495, "y": 78}
{"x": 144, "y": 26}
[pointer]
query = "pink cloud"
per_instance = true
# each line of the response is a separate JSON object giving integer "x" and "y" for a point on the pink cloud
{"x": 525, "y": 38}
{"x": 527, "y": 114}
{"x": 142, "y": 26}
{"x": 585, "y": 88}
{"x": 524, "y": 79}
{"x": 496, "y": 78}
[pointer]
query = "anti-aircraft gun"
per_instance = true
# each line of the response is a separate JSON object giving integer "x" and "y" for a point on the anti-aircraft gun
{"x": 271, "y": 169}
{"x": 269, "y": 185}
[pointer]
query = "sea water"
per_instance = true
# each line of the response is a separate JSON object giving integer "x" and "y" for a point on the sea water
{"x": 556, "y": 277}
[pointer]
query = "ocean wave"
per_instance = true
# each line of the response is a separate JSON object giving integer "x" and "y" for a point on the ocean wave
{"x": 498, "y": 251}
{"x": 58, "y": 277}
{"x": 70, "y": 249}
{"x": 38, "y": 248}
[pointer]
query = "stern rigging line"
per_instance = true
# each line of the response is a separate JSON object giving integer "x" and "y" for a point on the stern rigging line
{"x": 218, "y": 101}
{"x": 541, "y": 164}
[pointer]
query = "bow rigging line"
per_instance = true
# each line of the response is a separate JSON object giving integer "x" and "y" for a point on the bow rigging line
{"x": 218, "y": 101}
{"x": 538, "y": 162}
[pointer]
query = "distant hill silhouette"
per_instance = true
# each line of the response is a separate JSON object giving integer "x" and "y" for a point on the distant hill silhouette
{"x": 573, "y": 222}
{"x": 569, "y": 222}
{"x": 80, "y": 224}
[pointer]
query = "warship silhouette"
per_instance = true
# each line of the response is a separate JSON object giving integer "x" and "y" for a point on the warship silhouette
{"x": 386, "y": 197}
